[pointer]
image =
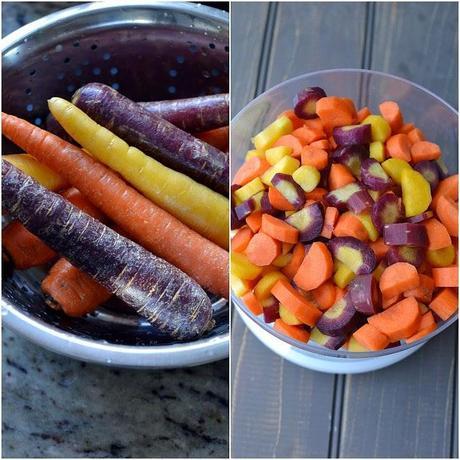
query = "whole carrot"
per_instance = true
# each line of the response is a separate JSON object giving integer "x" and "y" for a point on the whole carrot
{"x": 165, "y": 296}
{"x": 138, "y": 217}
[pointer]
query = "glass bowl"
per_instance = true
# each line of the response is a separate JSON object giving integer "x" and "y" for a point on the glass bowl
{"x": 180, "y": 50}
{"x": 435, "y": 117}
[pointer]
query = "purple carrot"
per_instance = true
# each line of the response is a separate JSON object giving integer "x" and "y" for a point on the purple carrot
{"x": 171, "y": 301}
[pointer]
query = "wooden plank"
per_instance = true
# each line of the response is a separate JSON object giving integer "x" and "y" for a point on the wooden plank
{"x": 279, "y": 409}
{"x": 398, "y": 412}
{"x": 248, "y": 22}
{"x": 419, "y": 41}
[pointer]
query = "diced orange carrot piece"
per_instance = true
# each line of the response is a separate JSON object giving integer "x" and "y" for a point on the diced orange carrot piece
{"x": 391, "y": 112}
{"x": 423, "y": 292}
{"x": 447, "y": 187}
{"x": 254, "y": 221}
{"x": 362, "y": 114}
{"x": 316, "y": 268}
{"x": 278, "y": 201}
{"x": 336, "y": 111}
{"x": 339, "y": 176}
{"x": 250, "y": 169}
{"x": 251, "y": 301}
{"x": 241, "y": 239}
{"x": 339, "y": 293}
{"x": 445, "y": 303}
{"x": 380, "y": 248}
{"x": 438, "y": 236}
{"x": 387, "y": 302}
{"x": 295, "y": 332}
{"x": 398, "y": 146}
{"x": 406, "y": 128}
{"x": 370, "y": 337}
{"x": 321, "y": 144}
{"x": 397, "y": 278}
{"x": 262, "y": 250}
{"x": 447, "y": 211}
{"x": 289, "y": 140}
{"x": 349, "y": 225}
{"x": 330, "y": 218}
{"x": 317, "y": 158}
{"x": 279, "y": 229}
{"x": 325, "y": 295}
{"x": 297, "y": 256}
{"x": 424, "y": 150}
{"x": 307, "y": 135}
{"x": 400, "y": 321}
{"x": 445, "y": 276}
{"x": 415, "y": 135}
{"x": 316, "y": 194}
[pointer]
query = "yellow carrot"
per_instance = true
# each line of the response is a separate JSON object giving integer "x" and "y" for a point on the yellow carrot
{"x": 194, "y": 204}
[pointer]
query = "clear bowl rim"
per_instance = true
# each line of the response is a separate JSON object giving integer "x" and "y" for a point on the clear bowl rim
{"x": 317, "y": 349}
{"x": 200, "y": 351}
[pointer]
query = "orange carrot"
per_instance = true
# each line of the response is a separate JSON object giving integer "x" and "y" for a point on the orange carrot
{"x": 398, "y": 278}
{"x": 422, "y": 333}
{"x": 251, "y": 301}
{"x": 406, "y": 128}
{"x": 292, "y": 141}
{"x": 370, "y": 337}
{"x": 339, "y": 293}
{"x": 400, "y": 321}
{"x": 336, "y": 111}
{"x": 295, "y": 332}
{"x": 316, "y": 194}
{"x": 330, "y": 218}
{"x": 80, "y": 201}
{"x": 325, "y": 295}
{"x": 307, "y": 135}
{"x": 321, "y": 144}
{"x": 254, "y": 221}
{"x": 445, "y": 276}
{"x": 23, "y": 248}
{"x": 262, "y": 250}
{"x": 250, "y": 169}
{"x": 241, "y": 240}
{"x": 387, "y": 302}
{"x": 295, "y": 302}
{"x": 142, "y": 220}
{"x": 71, "y": 290}
{"x": 339, "y": 176}
{"x": 317, "y": 158}
{"x": 380, "y": 248}
{"x": 362, "y": 114}
{"x": 391, "y": 112}
{"x": 315, "y": 124}
{"x": 297, "y": 256}
{"x": 296, "y": 122}
{"x": 332, "y": 142}
{"x": 447, "y": 211}
{"x": 423, "y": 150}
{"x": 278, "y": 229}
{"x": 217, "y": 137}
{"x": 316, "y": 268}
{"x": 445, "y": 303}
{"x": 447, "y": 187}
{"x": 415, "y": 135}
{"x": 423, "y": 292}
{"x": 438, "y": 236}
{"x": 278, "y": 201}
{"x": 349, "y": 225}
{"x": 398, "y": 146}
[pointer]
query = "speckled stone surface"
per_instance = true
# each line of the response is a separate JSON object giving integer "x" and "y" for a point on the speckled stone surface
{"x": 56, "y": 407}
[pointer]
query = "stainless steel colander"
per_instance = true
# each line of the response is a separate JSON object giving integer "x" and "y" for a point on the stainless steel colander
{"x": 147, "y": 51}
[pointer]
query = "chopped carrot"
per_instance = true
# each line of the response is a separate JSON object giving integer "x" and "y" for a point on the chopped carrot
{"x": 332, "y": 142}
{"x": 422, "y": 333}
{"x": 325, "y": 295}
{"x": 295, "y": 302}
{"x": 363, "y": 114}
{"x": 264, "y": 286}
{"x": 398, "y": 146}
{"x": 250, "y": 169}
{"x": 262, "y": 250}
{"x": 424, "y": 150}
{"x": 415, "y": 135}
{"x": 295, "y": 120}
{"x": 317, "y": 158}
{"x": 406, "y": 128}
{"x": 316, "y": 268}
{"x": 447, "y": 187}
{"x": 297, "y": 256}
{"x": 387, "y": 302}
{"x": 423, "y": 292}
{"x": 336, "y": 111}
{"x": 438, "y": 236}
{"x": 391, "y": 112}
{"x": 254, "y": 221}
{"x": 445, "y": 303}
{"x": 307, "y": 135}
{"x": 24, "y": 248}
{"x": 251, "y": 301}
{"x": 321, "y": 144}
{"x": 292, "y": 141}
{"x": 339, "y": 293}
{"x": 278, "y": 229}
{"x": 316, "y": 194}
{"x": 400, "y": 321}
{"x": 295, "y": 332}
{"x": 370, "y": 337}
{"x": 447, "y": 211}
{"x": 339, "y": 176}
{"x": 398, "y": 278}
{"x": 241, "y": 240}
{"x": 380, "y": 248}
{"x": 445, "y": 276}
{"x": 278, "y": 201}
{"x": 426, "y": 320}
{"x": 350, "y": 225}
{"x": 330, "y": 218}
{"x": 286, "y": 247}
{"x": 315, "y": 124}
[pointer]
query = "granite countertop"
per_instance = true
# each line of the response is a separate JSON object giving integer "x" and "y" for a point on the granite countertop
{"x": 57, "y": 407}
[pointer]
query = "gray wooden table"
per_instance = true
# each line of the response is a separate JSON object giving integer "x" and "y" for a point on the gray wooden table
{"x": 278, "y": 409}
